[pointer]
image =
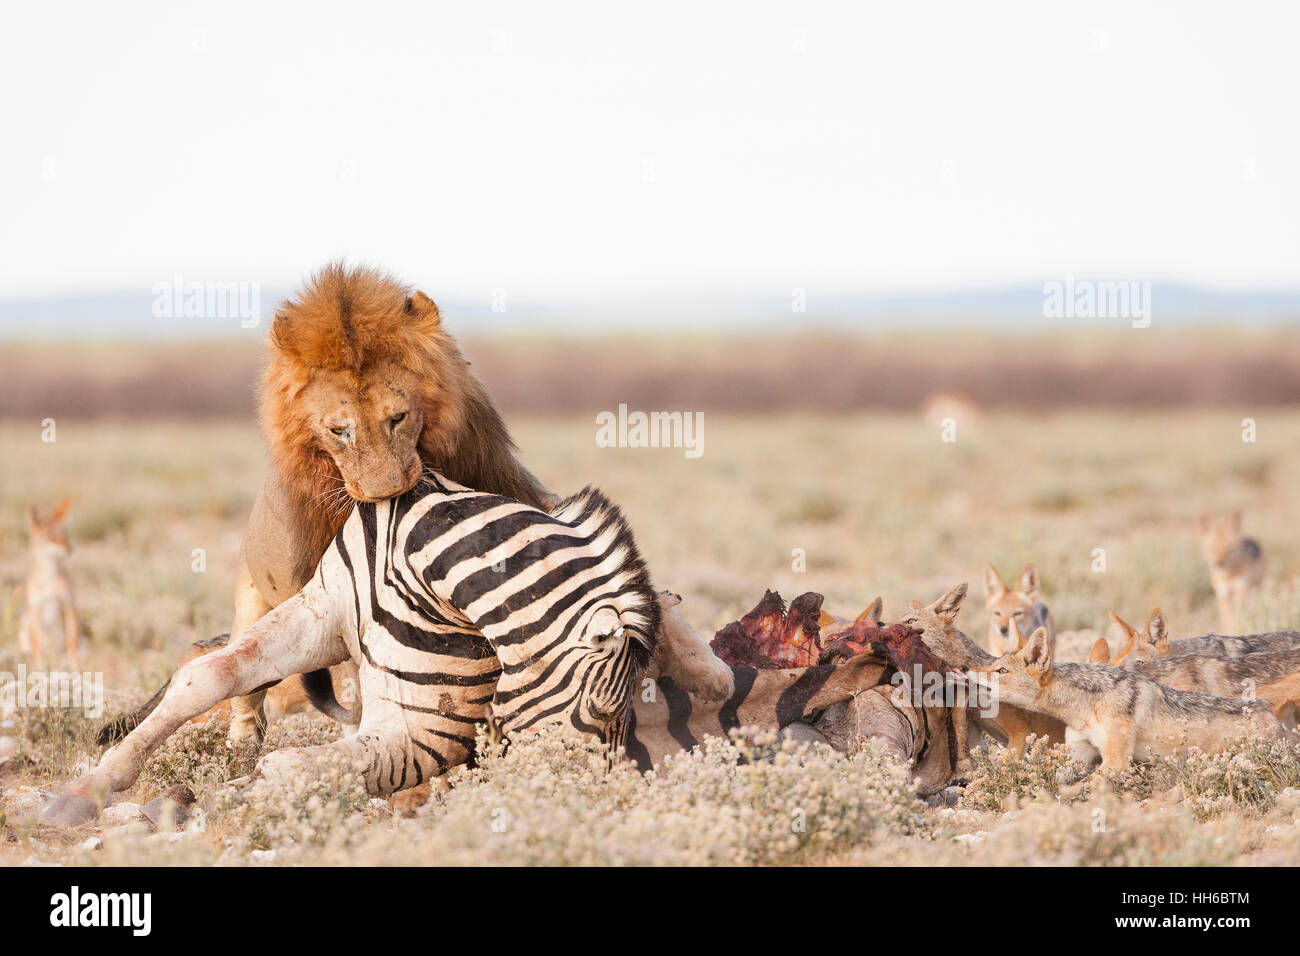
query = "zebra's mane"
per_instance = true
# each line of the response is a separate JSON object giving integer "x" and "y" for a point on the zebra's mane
{"x": 590, "y": 503}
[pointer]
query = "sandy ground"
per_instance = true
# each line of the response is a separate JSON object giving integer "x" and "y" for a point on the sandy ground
{"x": 849, "y": 506}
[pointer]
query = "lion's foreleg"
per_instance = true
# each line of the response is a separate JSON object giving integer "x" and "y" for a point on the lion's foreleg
{"x": 247, "y": 719}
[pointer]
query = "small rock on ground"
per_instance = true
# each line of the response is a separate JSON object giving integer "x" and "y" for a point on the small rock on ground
{"x": 119, "y": 814}
{"x": 947, "y": 797}
{"x": 156, "y": 809}
{"x": 24, "y": 804}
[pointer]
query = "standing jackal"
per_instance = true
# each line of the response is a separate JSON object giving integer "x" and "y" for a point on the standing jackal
{"x": 1119, "y": 714}
{"x": 50, "y": 617}
{"x": 1236, "y": 565}
{"x": 1019, "y": 606}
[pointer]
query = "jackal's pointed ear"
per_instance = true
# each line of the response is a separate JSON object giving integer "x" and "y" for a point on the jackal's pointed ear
{"x": 61, "y": 511}
{"x": 1130, "y": 641}
{"x": 1120, "y": 623}
{"x": 1037, "y": 655}
{"x": 1027, "y": 583}
{"x": 1015, "y": 640}
{"x": 948, "y": 605}
{"x": 1100, "y": 653}
{"x": 872, "y": 613}
{"x": 1157, "y": 631}
{"x": 1203, "y": 521}
{"x": 993, "y": 586}
{"x": 824, "y": 619}
{"x": 33, "y": 517}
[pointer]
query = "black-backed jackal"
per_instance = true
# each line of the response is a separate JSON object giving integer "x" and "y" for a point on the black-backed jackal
{"x": 50, "y": 616}
{"x": 1019, "y": 723}
{"x": 1018, "y": 605}
{"x": 1153, "y": 642}
{"x": 1266, "y": 666}
{"x": 1139, "y": 646}
{"x": 1236, "y": 565}
{"x": 1014, "y": 612}
{"x": 1119, "y": 714}
{"x": 941, "y": 634}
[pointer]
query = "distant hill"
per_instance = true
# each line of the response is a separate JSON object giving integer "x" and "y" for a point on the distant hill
{"x": 130, "y": 315}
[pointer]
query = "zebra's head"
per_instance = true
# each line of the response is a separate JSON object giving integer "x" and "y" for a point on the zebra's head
{"x": 590, "y": 631}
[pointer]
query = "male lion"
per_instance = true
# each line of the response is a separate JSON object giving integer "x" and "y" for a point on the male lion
{"x": 364, "y": 387}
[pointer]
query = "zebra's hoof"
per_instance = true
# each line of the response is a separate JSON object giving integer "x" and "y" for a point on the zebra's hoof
{"x": 280, "y": 764}
{"x": 65, "y": 810}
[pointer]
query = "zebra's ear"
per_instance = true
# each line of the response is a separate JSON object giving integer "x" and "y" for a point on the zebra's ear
{"x": 604, "y": 628}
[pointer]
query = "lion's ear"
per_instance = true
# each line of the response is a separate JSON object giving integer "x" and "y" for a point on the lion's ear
{"x": 287, "y": 336}
{"x": 425, "y": 313}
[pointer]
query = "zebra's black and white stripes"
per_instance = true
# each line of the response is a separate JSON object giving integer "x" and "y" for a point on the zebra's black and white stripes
{"x": 547, "y": 615}
{"x": 460, "y": 608}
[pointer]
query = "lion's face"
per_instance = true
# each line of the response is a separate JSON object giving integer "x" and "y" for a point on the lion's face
{"x": 369, "y": 427}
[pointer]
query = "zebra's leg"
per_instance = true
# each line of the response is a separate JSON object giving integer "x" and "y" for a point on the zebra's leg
{"x": 297, "y": 636}
{"x": 348, "y": 677}
{"x": 383, "y": 750}
{"x": 383, "y": 759}
{"x": 688, "y": 660}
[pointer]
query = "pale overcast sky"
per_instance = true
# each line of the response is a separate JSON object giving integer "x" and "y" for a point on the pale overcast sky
{"x": 581, "y": 150}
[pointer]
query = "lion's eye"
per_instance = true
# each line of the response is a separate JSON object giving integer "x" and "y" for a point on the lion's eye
{"x": 397, "y": 419}
{"x": 1002, "y": 670}
{"x": 339, "y": 430}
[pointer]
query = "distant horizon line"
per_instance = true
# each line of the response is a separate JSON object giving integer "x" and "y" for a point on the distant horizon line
{"x": 125, "y": 314}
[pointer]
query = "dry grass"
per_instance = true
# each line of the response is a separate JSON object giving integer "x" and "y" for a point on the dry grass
{"x": 875, "y": 502}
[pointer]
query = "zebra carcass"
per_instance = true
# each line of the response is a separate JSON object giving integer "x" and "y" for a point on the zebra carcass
{"x": 844, "y": 690}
